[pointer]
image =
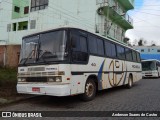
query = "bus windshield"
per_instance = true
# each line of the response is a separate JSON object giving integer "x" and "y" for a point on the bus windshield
{"x": 44, "y": 48}
{"x": 148, "y": 65}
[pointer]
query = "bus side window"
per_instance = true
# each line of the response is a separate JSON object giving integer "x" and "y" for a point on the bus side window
{"x": 128, "y": 54}
{"x": 100, "y": 47}
{"x": 79, "y": 48}
{"x": 75, "y": 43}
{"x": 134, "y": 56}
{"x": 93, "y": 45}
{"x": 121, "y": 52}
{"x": 138, "y": 57}
{"x": 110, "y": 49}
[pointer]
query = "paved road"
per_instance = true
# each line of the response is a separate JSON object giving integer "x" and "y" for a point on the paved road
{"x": 144, "y": 96}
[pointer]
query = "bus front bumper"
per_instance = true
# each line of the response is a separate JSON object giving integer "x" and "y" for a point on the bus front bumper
{"x": 42, "y": 89}
{"x": 150, "y": 75}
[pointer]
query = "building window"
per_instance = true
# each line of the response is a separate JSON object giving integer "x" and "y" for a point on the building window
{"x": 33, "y": 24}
{"x": 38, "y": 4}
{"x": 14, "y": 26}
{"x": 149, "y": 50}
{"x": 26, "y": 10}
{"x": 142, "y": 50}
{"x": 23, "y": 25}
{"x": 158, "y": 50}
{"x": 16, "y": 9}
{"x": 8, "y": 27}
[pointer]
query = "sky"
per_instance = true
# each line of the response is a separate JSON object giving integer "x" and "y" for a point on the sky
{"x": 146, "y": 17}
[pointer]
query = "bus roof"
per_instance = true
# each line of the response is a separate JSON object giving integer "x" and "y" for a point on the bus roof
{"x": 150, "y": 60}
{"x": 59, "y": 28}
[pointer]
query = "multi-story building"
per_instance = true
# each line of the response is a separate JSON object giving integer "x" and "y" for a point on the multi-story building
{"x": 106, "y": 17}
{"x": 5, "y": 17}
{"x": 149, "y": 52}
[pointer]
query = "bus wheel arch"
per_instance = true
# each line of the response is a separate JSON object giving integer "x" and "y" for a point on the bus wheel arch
{"x": 90, "y": 88}
{"x": 130, "y": 81}
{"x": 95, "y": 79}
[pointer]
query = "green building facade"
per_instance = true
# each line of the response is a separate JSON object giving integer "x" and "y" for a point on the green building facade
{"x": 116, "y": 20}
{"x": 20, "y": 9}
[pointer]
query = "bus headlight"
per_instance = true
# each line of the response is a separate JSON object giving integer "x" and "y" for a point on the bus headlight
{"x": 51, "y": 80}
{"x": 58, "y": 79}
{"x": 55, "y": 79}
{"x": 21, "y": 79}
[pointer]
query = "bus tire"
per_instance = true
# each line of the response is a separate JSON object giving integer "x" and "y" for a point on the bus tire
{"x": 130, "y": 82}
{"x": 90, "y": 90}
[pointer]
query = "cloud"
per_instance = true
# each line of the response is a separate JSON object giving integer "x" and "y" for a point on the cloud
{"x": 146, "y": 22}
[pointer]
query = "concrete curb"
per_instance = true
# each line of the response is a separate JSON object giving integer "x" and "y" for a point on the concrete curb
{"x": 9, "y": 102}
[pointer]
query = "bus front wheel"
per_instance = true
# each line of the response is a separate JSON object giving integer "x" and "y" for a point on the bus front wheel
{"x": 90, "y": 90}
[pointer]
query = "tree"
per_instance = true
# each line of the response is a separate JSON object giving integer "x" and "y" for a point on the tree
{"x": 135, "y": 42}
{"x": 142, "y": 42}
{"x": 153, "y": 43}
{"x": 129, "y": 43}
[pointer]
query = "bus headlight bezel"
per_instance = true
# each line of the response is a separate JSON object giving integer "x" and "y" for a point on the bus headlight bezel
{"x": 55, "y": 79}
{"x": 58, "y": 79}
{"x": 21, "y": 79}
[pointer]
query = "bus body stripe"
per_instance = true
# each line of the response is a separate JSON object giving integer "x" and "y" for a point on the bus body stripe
{"x": 105, "y": 72}
{"x": 100, "y": 76}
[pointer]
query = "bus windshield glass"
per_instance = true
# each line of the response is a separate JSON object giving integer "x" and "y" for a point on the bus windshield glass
{"x": 44, "y": 48}
{"x": 148, "y": 65}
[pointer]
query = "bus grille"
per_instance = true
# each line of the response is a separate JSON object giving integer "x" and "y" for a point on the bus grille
{"x": 36, "y": 69}
{"x": 36, "y": 79}
{"x": 36, "y": 74}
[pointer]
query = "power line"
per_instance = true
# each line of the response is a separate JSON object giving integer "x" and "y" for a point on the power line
{"x": 147, "y": 22}
{"x": 147, "y": 13}
{"x": 147, "y": 9}
{"x": 147, "y": 5}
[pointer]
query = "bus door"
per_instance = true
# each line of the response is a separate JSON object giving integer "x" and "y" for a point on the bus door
{"x": 158, "y": 68}
{"x": 79, "y": 58}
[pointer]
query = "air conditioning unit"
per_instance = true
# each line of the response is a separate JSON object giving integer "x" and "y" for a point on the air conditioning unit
{"x": 100, "y": 11}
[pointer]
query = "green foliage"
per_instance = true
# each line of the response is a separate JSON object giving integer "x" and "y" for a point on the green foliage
{"x": 8, "y": 77}
{"x": 8, "y": 81}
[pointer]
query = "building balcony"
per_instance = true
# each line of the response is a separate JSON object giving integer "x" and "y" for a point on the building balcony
{"x": 127, "y": 4}
{"x": 113, "y": 12}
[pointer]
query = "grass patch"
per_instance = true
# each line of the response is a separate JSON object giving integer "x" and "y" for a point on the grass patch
{"x": 8, "y": 81}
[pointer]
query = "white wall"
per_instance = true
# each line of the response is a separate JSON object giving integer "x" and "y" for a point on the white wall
{"x": 5, "y": 18}
{"x": 77, "y": 13}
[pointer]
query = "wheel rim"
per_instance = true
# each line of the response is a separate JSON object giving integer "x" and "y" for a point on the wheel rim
{"x": 89, "y": 89}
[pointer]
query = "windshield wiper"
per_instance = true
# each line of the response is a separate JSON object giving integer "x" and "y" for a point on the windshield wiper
{"x": 24, "y": 63}
{"x": 47, "y": 54}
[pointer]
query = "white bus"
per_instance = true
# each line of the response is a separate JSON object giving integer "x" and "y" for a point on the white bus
{"x": 150, "y": 68}
{"x": 72, "y": 61}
